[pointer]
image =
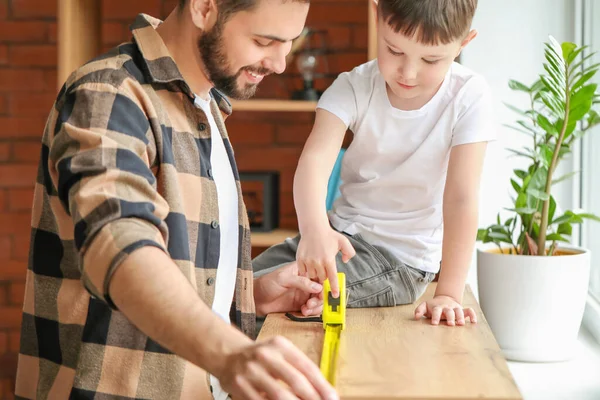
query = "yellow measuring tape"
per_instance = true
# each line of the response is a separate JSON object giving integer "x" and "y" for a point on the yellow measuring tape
{"x": 334, "y": 320}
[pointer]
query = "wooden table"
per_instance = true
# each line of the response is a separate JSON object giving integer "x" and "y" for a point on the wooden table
{"x": 386, "y": 355}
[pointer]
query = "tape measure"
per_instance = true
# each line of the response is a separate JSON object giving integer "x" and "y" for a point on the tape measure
{"x": 334, "y": 321}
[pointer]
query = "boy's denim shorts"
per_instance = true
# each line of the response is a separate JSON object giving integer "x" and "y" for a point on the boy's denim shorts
{"x": 374, "y": 277}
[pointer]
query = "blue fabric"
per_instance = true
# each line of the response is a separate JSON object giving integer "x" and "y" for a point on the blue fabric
{"x": 333, "y": 186}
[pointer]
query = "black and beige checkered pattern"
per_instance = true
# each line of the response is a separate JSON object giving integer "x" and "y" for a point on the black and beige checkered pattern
{"x": 125, "y": 163}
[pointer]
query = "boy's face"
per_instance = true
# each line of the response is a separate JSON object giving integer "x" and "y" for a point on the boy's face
{"x": 413, "y": 71}
{"x": 239, "y": 53}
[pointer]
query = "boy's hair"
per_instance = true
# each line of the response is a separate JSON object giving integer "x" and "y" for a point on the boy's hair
{"x": 434, "y": 21}
{"x": 227, "y": 8}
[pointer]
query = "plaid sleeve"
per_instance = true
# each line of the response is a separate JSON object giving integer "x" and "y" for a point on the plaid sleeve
{"x": 100, "y": 165}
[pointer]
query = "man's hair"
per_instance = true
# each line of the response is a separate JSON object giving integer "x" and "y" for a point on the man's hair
{"x": 434, "y": 21}
{"x": 227, "y": 8}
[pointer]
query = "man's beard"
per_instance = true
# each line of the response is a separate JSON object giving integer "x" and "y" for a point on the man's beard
{"x": 216, "y": 65}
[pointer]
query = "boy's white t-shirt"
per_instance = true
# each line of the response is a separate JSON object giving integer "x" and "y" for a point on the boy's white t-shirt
{"x": 227, "y": 197}
{"x": 393, "y": 173}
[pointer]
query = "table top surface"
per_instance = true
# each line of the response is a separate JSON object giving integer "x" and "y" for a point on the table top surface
{"x": 386, "y": 354}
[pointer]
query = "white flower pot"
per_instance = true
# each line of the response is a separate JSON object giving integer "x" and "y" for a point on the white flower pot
{"x": 534, "y": 305}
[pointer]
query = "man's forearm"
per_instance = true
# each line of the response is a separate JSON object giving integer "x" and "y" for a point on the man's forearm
{"x": 460, "y": 230}
{"x": 150, "y": 290}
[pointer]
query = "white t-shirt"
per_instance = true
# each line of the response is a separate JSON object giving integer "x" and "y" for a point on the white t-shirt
{"x": 227, "y": 197}
{"x": 393, "y": 174}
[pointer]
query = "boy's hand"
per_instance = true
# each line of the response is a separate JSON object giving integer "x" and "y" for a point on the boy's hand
{"x": 316, "y": 256}
{"x": 445, "y": 308}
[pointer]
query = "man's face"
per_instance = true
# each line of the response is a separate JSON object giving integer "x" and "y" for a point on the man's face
{"x": 413, "y": 71}
{"x": 251, "y": 44}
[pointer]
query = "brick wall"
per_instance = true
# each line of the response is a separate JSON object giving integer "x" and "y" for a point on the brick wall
{"x": 28, "y": 54}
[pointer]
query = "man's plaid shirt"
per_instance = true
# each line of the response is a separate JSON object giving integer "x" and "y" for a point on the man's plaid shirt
{"x": 125, "y": 163}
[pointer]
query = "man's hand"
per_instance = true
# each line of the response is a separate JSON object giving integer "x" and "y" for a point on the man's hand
{"x": 445, "y": 308}
{"x": 257, "y": 369}
{"x": 316, "y": 256}
{"x": 284, "y": 290}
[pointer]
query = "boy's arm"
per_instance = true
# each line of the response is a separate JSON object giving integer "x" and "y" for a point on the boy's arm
{"x": 461, "y": 210}
{"x": 319, "y": 243}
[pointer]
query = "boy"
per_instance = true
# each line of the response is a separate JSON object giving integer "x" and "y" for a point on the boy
{"x": 409, "y": 197}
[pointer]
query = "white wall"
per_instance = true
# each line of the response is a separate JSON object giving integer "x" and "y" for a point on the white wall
{"x": 510, "y": 46}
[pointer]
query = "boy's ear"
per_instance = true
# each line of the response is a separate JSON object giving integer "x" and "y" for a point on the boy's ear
{"x": 470, "y": 36}
{"x": 204, "y": 13}
{"x": 373, "y": 5}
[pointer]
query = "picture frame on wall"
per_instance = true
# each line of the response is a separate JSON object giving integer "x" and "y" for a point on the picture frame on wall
{"x": 260, "y": 191}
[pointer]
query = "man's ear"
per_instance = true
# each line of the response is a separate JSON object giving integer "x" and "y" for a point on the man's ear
{"x": 203, "y": 13}
{"x": 470, "y": 36}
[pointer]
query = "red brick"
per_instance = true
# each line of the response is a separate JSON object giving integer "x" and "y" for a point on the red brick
{"x": 3, "y": 104}
{"x": 3, "y": 15}
{"x": 28, "y": 152}
{"x": 10, "y": 317}
{"x": 3, "y": 54}
{"x": 18, "y": 175}
{"x": 119, "y": 9}
{"x": 245, "y": 134}
{"x": 4, "y": 151}
{"x": 334, "y": 36}
{"x": 20, "y": 247}
{"x": 4, "y": 294}
{"x": 360, "y": 37}
{"x": 286, "y": 203}
{"x": 113, "y": 33}
{"x": 3, "y": 342}
{"x": 23, "y": 31}
{"x": 33, "y": 55}
{"x": 15, "y": 223}
{"x": 337, "y": 13}
{"x": 266, "y": 159}
{"x": 3, "y": 203}
{"x": 31, "y": 104}
{"x": 13, "y": 270}
{"x": 20, "y": 199}
{"x": 52, "y": 32}
{"x": 288, "y": 222}
{"x": 293, "y": 133}
{"x": 22, "y": 127}
{"x": 167, "y": 7}
{"x": 21, "y": 80}
{"x": 14, "y": 340}
{"x": 51, "y": 79}
{"x": 17, "y": 293}
{"x": 345, "y": 61}
{"x": 34, "y": 8}
{"x": 5, "y": 246}
{"x": 286, "y": 180}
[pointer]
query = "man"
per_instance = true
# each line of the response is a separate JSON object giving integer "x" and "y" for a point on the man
{"x": 138, "y": 227}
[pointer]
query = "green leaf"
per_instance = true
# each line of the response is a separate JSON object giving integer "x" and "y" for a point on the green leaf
{"x": 546, "y": 154}
{"x": 537, "y": 86}
{"x": 556, "y": 76}
{"x": 589, "y": 216}
{"x": 515, "y": 109}
{"x": 538, "y": 194}
{"x": 481, "y": 234}
{"x": 555, "y": 105}
{"x": 565, "y": 229}
{"x": 553, "y": 87}
{"x": 576, "y": 67}
{"x": 546, "y": 125}
{"x": 523, "y": 210}
{"x": 516, "y": 85}
{"x": 556, "y": 237}
{"x": 586, "y": 77}
{"x": 581, "y": 102}
{"x": 564, "y": 177}
{"x": 502, "y": 237}
{"x": 551, "y": 208}
{"x": 568, "y": 49}
{"x": 508, "y": 222}
{"x": 520, "y": 173}
{"x": 573, "y": 55}
{"x": 538, "y": 180}
{"x": 515, "y": 185}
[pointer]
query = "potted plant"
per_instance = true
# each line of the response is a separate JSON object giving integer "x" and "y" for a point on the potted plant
{"x": 532, "y": 283}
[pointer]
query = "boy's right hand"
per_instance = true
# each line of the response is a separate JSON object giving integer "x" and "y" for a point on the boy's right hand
{"x": 316, "y": 255}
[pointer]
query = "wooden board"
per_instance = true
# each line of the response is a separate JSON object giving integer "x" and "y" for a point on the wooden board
{"x": 386, "y": 355}
{"x": 268, "y": 239}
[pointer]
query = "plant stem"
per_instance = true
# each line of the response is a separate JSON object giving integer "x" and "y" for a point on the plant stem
{"x": 546, "y": 204}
